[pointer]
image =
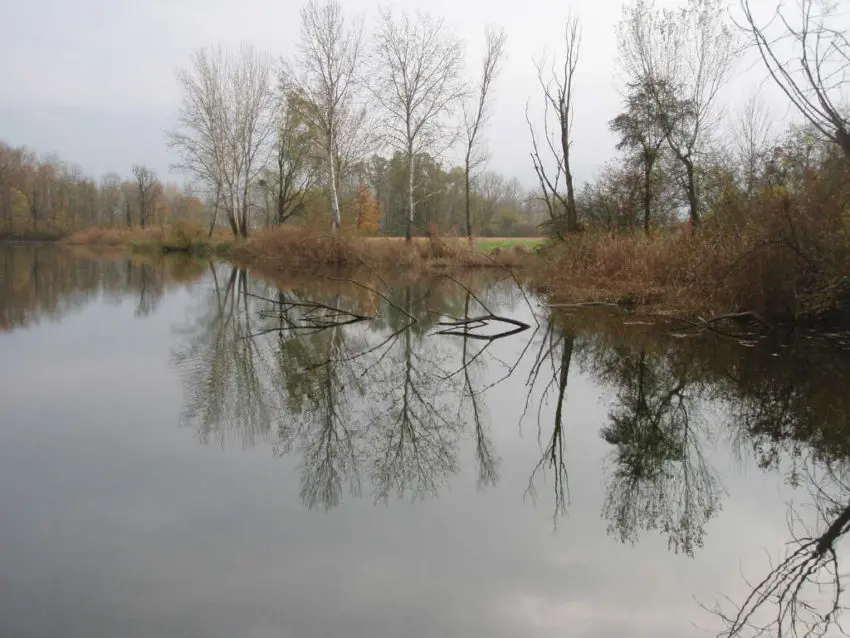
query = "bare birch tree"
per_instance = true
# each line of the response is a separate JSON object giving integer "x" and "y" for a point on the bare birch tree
{"x": 807, "y": 54}
{"x": 475, "y": 116}
{"x": 327, "y": 77}
{"x": 225, "y": 124}
{"x": 557, "y": 86}
{"x": 681, "y": 58}
{"x": 417, "y": 84}
{"x": 752, "y": 140}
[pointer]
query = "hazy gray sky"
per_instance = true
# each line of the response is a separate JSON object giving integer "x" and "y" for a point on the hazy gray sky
{"x": 93, "y": 80}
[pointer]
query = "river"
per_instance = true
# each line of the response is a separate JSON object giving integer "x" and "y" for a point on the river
{"x": 187, "y": 450}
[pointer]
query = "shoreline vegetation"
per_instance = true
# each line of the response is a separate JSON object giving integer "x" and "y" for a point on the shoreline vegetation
{"x": 293, "y": 247}
{"x": 743, "y": 271}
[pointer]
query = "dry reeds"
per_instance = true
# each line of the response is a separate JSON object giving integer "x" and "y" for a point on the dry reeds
{"x": 286, "y": 248}
{"x": 180, "y": 236}
{"x": 113, "y": 236}
{"x": 779, "y": 259}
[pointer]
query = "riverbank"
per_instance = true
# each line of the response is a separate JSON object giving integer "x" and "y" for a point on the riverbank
{"x": 771, "y": 279}
{"x": 298, "y": 248}
{"x": 761, "y": 272}
{"x": 280, "y": 249}
{"x": 179, "y": 237}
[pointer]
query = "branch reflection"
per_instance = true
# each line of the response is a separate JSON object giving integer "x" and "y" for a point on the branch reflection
{"x": 355, "y": 381}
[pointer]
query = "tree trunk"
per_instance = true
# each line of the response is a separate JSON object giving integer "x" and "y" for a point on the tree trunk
{"x": 34, "y": 209}
{"x": 843, "y": 137}
{"x": 572, "y": 221}
{"x": 647, "y": 190}
{"x": 232, "y": 219}
{"x": 336, "y": 219}
{"x": 214, "y": 217}
{"x": 410, "y": 165}
{"x": 691, "y": 187}
{"x": 243, "y": 223}
{"x": 466, "y": 202}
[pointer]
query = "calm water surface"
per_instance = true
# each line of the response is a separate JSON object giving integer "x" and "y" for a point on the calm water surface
{"x": 188, "y": 451}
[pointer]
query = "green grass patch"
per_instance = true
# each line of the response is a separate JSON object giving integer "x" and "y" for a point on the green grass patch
{"x": 489, "y": 244}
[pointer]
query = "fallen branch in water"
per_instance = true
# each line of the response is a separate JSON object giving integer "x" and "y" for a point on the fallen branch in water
{"x": 744, "y": 338}
{"x": 586, "y": 304}
{"x": 465, "y": 327}
{"x": 314, "y": 316}
{"x": 739, "y": 315}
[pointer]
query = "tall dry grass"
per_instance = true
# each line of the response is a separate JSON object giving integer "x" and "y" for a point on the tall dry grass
{"x": 782, "y": 257}
{"x": 179, "y": 236}
{"x": 284, "y": 248}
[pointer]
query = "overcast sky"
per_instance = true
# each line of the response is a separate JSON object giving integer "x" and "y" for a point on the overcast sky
{"x": 93, "y": 80}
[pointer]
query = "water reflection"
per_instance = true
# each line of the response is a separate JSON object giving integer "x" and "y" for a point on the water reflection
{"x": 660, "y": 478}
{"x": 550, "y": 370}
{"x": 364, "y": 385}
{"x": 784, "y": 406}
{"x": 45, "y": 282}
{"x": 374, "y": 386}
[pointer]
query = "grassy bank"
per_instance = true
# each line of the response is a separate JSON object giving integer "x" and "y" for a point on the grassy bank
{"x": 178, "y": 237}
{"x": 284, "y": 248}
{"x": 496, "y": 244}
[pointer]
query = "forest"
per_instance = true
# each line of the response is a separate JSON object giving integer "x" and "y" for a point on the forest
{"x": 44, "y": 197}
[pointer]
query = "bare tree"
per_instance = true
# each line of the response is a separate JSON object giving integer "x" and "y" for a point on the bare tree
{"x": 110, "y": 199}
{"x": 145, "y": 181}
{"x": 416, "y": 82}
{"x": 557, "y": 86}
{"x": 681, "y": 58}
{"x": 328, "y": 64}
{"x": 752, "y": 139}
{"x": 475, "y": 116}
{"x": 808, "y": 56}
{"x": 225, "y": 123}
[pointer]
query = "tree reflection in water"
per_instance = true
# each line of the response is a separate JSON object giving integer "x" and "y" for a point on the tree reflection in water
{"x": 551, "y": 368}
{"x": 354, "y": 377}
{"x": 46, "y": 282}
{"x": 353, "y": 380}
{"x": 660, "y": 479}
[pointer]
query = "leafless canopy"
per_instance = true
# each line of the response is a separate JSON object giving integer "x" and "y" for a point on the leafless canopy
{"x": 225, "y": 125}
{"x": 475, "y": 115}
{"x": 416, "y": 83}
{"x": 807, "y": 54}
{"x": 328, "y": 76}
{"x": 752, "y": 139}
{"x": 556, "y": 83}
{"x": 803, "y": 593}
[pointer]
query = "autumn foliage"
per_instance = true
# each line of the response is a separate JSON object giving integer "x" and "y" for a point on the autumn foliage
{"x": 367, "y": 211}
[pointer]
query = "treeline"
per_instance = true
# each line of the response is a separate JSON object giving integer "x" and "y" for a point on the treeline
{"x": 45, "y": 196}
